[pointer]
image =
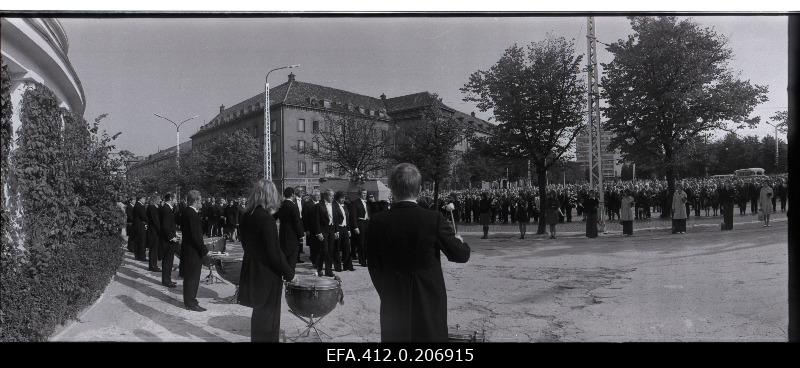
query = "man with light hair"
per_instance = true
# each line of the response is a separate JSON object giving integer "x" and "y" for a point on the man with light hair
{"x": 403, "y": 258}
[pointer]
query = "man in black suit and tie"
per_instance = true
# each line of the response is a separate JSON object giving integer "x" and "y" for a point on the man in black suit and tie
{"x": 129, "y": 224}
{"x": 291, "y": 229}
{"x": 309, "y": 217}
{"x": 324, "y": 231}
{"x": 169, "y": 238}
{"x": 153, "y": 233}
{"x": 404, "y": 246}
{"x": 360, "y": 219}
{"x": 139, "y": 228}
{"x": 341, "y": 218}
{"x": 299, "y": 193}
{"x": 193, "y": 249}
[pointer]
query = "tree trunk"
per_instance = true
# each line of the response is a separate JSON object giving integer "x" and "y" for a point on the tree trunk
{"x": 666, "y": 206}
{"x": 541, "y": 174}
{"x": 435, "y": 191}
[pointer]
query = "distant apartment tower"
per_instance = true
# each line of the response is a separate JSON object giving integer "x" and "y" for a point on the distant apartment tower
{"x": 611, "y": 167}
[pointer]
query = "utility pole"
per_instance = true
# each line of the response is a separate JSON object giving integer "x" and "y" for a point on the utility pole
{"x": 595, "y": 129}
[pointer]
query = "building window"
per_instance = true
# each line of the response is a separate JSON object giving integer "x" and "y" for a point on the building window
{"x": 273, "y": 146}
{"x": 315, "y": 145}
{"x": 301, "y": 167}
{"x": 315, "y": 127}
{"x": 301, "y": 144}
{"x": 273, "y": 126}
{"x": 315, "y": 168}
{"x": 316, "y": 187}
{"x": 301, "y": 125}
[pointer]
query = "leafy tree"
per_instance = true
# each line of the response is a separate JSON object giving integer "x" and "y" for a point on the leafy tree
{"x": 351, "y": 144}
{"x": 668, "y": 84}
{"x": 430, "y": 143}
{"x": 781, "y": 118}
{"x": 538, "y": 97}
{"x": 225, "y": 166}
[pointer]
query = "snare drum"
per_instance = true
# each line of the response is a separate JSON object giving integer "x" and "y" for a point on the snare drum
{"x": 313, "y": 296}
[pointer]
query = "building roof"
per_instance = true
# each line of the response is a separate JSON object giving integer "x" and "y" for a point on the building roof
{"x": 296, "y": 93}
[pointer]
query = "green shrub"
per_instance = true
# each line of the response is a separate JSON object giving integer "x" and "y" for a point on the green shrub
{"x": 68, "y": 186}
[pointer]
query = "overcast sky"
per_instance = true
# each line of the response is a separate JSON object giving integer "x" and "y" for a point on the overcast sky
{"x": 132, "y": 68}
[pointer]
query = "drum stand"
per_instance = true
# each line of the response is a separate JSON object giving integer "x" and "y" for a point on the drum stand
{"x": 212, "y": 277}
{"x": 310, "y": 325}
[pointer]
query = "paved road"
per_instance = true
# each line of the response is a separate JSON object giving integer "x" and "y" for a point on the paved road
{"x": 706, "y": 285}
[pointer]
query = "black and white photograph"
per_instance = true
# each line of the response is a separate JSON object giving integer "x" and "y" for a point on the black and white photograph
{"x": 396, "y": 177}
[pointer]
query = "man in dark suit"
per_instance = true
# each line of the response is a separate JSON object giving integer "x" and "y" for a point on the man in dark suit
{"x": 153, "y": 233}
{"x": 360, "y": 219}
{"x": 139, "y": 228}
{"x": 403, "y": 250}
{"x": 299, "y": 193}
{"x": 324, "y": 231}
{"x": 342, "y": 259}
{"x": 231, "y": 219}
{"x": 129, "y": 225}
{"x": 309, "y": 216}
{"x": 169, "y": 238}
{"x": 193, "y": 249}
{"x": 291, "y": 230}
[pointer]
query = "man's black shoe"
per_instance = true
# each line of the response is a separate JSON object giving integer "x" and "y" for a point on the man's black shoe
{"x": 300, "y": 260}
{"x": 196, "y": 308}
{"x": 350, "y": 269}
{"x": 330, "y": 274}
{"x": 319, "y": 273}
{"x": 338, "y": 269}
{"x": 156, "y": 270}
{"x": 170, "y": 285}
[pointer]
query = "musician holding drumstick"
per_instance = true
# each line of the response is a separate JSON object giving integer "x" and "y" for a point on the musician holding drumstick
{"x": 263, "y": 264}
{"x": 403, "y": 252}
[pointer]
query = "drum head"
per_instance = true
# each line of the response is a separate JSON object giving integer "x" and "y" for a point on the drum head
{"x": 313, "y": 283}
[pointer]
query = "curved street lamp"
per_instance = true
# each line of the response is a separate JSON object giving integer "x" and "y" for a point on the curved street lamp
{"x": 267, "y": 128}
{"x": 177, "y": 146}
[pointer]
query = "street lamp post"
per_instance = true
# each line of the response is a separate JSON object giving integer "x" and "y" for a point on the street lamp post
{"x": 777, "y": 162}
{"x": 267, "y": 128}
{"x": 177, "y": 147}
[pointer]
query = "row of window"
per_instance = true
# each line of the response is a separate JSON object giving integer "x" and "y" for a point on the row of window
{"x": 301, "y": 168}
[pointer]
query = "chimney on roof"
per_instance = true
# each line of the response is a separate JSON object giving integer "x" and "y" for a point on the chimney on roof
{"x": 473, "y": 114}
{"x": 291, "y": 77}
{"x": 383, "y": 96}
{"x": 221, "y": 108}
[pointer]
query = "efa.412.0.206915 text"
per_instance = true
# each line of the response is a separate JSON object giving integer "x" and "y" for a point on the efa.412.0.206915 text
{"x": 400, "y": 355}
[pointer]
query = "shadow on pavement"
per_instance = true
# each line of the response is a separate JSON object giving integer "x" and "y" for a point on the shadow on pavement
{"x": 175, "y": 325}
{"x": 146, "y": 335}
{"x": 149, "y": 291}
{"x": 239, "y": 325}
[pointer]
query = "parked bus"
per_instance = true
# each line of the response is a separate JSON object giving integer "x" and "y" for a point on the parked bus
{"x": 756, "y": 171}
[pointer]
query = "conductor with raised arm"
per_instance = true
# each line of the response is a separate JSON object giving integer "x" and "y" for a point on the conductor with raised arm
{"x": 403, "y": 250}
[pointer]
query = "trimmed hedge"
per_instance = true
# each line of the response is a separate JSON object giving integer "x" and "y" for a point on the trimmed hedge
{"x": 55, "y": 286}
{"x": 67, "y": 185}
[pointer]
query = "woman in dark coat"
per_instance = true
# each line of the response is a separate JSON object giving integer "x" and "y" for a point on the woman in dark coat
{"x": 521, "y": 215}
{"x": 590, "y": 205}
{"x": 553, "y": 212}
{"x": 484, "y": 208}
{"x": 263, "y": 264}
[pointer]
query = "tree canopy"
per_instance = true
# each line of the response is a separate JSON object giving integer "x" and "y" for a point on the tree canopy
{"x": 430, "y": 143}
{"x": 669, "y": 85}
{"x": 351, "y": 144}
{"x": 538, "y": 97}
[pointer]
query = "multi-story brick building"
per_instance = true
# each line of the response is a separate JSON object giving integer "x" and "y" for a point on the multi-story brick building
{"x": 297, "y": 111}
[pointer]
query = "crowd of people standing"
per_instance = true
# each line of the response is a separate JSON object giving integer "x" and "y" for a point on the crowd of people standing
{"x": 624, "y": 201}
